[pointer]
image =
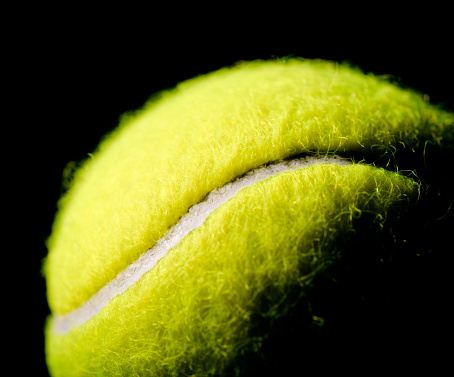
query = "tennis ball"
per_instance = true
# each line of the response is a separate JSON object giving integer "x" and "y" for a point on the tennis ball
{"x": 200, "y": 237}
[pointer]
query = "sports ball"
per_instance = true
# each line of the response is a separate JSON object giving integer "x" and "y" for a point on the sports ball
{"x": 268, "y": 217}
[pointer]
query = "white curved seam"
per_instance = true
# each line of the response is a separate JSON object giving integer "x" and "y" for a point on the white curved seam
{"x": 194, "y": 218}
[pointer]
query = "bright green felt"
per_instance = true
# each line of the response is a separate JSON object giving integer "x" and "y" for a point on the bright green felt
{"x": 193, "y": 312}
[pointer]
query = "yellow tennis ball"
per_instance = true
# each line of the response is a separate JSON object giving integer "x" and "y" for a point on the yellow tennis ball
{"x": 204, "y": 219}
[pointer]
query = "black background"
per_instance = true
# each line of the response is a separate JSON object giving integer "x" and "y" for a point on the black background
{"x": 73, "y": 77}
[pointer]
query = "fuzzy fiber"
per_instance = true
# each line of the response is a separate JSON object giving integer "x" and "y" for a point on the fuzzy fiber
{"x": 193, "y": 312}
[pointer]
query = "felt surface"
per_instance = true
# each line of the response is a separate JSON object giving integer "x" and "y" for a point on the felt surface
{"x": 206, "y": 132}
{"x": 214, "y": 299}
{"x": 193, "y": 314}
{"x": 195, "y": 218}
